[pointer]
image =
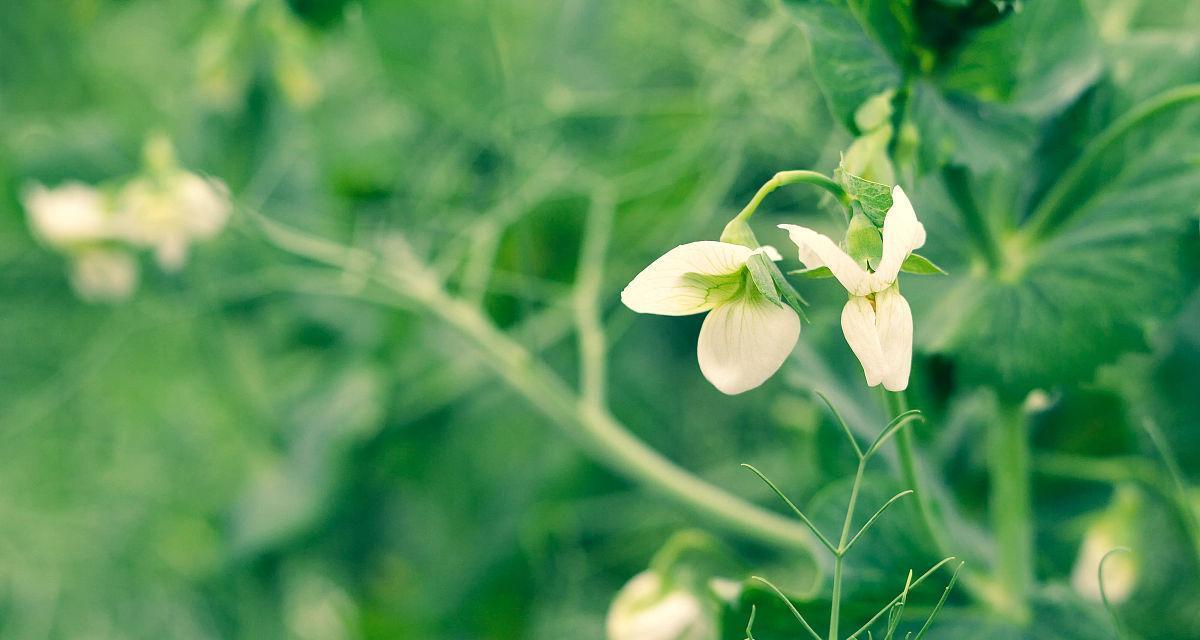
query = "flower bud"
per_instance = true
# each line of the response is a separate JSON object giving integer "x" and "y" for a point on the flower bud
{"x": 863, "y": 241}
{"x": 1115, "y": 527}
{"x": 648, "y": 609}
{"x": 875, "y": 112}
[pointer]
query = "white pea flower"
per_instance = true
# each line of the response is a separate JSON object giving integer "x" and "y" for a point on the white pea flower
{"x": 645, "y": 610}
{"x": 68, "y": 216}
{"x": 101, "y": 274}
{"x": 169, "y": 213}
{"x": 746, "y": 336}
{"x": 1115, "y": 527}
{"x": 877, "y": 320}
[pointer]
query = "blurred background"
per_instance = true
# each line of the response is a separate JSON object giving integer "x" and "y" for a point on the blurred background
{"x": 257, "y": 445}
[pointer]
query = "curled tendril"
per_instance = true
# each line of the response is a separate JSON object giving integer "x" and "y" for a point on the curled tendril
{"x": 1108, "y": 606}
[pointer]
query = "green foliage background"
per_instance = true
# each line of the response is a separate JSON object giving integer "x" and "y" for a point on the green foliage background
{"x": 256, "y": 448}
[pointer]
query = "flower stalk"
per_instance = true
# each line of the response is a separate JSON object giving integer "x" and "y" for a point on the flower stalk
{"x": 602, "y": 435}
{"x": 1011, "y": 509}
{"x": 784, "y": 178}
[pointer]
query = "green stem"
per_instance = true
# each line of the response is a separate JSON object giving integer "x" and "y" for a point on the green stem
{"x": 1053, "y": 209}
{"x": 858, "y": 478}
{"x": 1011, "y": 509}
{"x": 836, "y": 600}
{"x": 972, "y": 581}
{"x": 602, "y": 435}
{"x": 897, "y": 403}
{"x": 784, "y": 178}
{"x": 1178, "y": 484}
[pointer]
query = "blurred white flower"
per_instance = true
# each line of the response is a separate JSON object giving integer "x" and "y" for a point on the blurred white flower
{"x": 1115, "y": 527}
{"x": 164, "y": 208}
{"x": 877, "y": 320}
{"x": 101, "y": 274}
{"x": 169, "y": 213}
{"x": 746, "y": 337}
{"x": 644, "y": 610}
{"x": 68, "y": 216}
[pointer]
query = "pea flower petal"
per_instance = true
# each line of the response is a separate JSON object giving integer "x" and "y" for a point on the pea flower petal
{"x": 167, "y": 215}
{"x": 902, "y": 234}
{"x": 69, "y": 215}
{"x": 818, "y": 250}
{"x": 860, "y": 325}
{"x": 877, "y": 321}
{"x": 676, "y": 284}
{"x": 744, "y": 342}
{"x": 894, "y": 322}
{"x": 746, "y": 337}
{"x": 645, "y": 610}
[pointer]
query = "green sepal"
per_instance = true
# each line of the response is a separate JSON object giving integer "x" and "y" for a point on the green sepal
{"x": 789, "y": 293}
{"x": 920, "y": 265}
{"x": 814, "y": 273}
{"x": 874, "y": 198}
{"x": 796, "y": 303}
{"x": 760, "y": 272}
{"x": 785, "y": 287}
{"x": 770, "y": 282}
{"x": 738, "y": 231}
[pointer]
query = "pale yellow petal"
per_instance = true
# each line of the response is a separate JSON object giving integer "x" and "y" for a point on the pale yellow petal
{"x": 895, "y": 326}
{"x": 902, "y": 234}
{"x": 817, "y": 250}
{"x": 862, "y": 334}
{"x": 744, "y": 342}
{"x": 668, "y": 286}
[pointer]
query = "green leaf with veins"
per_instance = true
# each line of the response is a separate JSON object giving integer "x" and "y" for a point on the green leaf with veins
{"x": 968, "y": 132}
{"x": 1038, "y": 60}
{"x": 1058, "y": 614}
{"x": 874, "y": 197}
{"x": 920, "y": 265}
{"x": 815, "y": 274}
{"x": 889, "y": 22}
{"x": 849, "y": 65}
{"x": 1060, "y": 305}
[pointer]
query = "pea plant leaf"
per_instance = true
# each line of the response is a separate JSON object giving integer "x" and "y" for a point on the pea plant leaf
{"x": 849, "y": 65}
{"x": 875, "y": 198}
{"x": 980, "y": 108}
{"x": 1061, "y": 303}
{"x": 1038, "y": 59}
{"x": 963, "y": 130}
{"x": 920, "y": 265}
{"x": 1057, "y": 613}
